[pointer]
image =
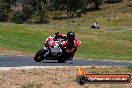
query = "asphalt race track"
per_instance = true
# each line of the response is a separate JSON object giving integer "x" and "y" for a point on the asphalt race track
{"x": 17, "y": 61}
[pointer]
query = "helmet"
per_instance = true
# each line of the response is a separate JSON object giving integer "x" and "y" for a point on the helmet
{"x": 70, "y": 36}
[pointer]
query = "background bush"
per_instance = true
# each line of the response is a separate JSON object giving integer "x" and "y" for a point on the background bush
{"x": 23, "y": 10}
{"x": 3, "y": 11}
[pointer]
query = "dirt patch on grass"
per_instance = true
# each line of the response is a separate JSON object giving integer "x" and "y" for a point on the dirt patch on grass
{"x": 56, "y": 77}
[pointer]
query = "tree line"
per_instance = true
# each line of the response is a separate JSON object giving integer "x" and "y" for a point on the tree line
{"x": 38, "y": 11}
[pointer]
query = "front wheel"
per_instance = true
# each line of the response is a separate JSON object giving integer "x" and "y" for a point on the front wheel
{"x": 39, "y": 55}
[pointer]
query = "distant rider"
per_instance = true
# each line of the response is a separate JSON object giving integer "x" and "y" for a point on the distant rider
{"x": 95, "y": 26}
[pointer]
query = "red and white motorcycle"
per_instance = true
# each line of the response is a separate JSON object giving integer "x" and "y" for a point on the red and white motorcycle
{"x": 56, "y": 52}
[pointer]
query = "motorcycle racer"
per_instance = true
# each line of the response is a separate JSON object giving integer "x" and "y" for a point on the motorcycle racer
{"x": 58, "y": 47}
{"x": 71, "y": 44}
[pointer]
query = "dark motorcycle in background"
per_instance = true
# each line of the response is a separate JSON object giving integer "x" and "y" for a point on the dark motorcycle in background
{"x": 56, "y": 52}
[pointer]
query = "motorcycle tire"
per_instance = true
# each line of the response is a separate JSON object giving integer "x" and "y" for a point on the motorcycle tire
{"x": 39, "y": 55}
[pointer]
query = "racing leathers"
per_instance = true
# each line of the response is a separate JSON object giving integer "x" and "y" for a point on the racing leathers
{"x": 71, "y": 47}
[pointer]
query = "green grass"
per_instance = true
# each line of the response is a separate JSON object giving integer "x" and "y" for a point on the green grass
{"x": 19, "y": 37}
{"x": 106, "y": 43}
{"x": 112, "y": 41}
{"x": 107, "y": 46}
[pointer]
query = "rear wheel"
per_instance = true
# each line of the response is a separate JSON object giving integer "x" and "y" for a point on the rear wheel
{"x": 39, "y": 55}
